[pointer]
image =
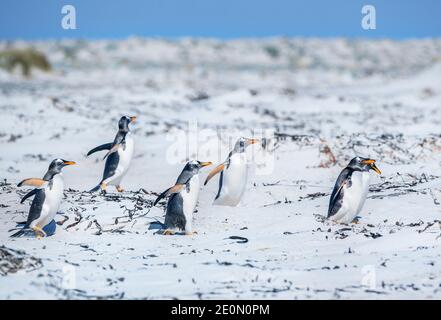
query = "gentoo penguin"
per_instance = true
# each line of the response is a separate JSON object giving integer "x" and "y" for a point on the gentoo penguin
{"x": 184, "y": 196}
{"x": 48, "y": 194}
{"x": 233, "y": 175}
{"x": 118, "y": 157}
{"x": 350, "y": 190}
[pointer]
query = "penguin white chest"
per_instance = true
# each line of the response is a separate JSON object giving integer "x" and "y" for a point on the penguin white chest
{"x": 52, "y": 201}
{"x": 125, "y": 154}
{"x": 189, "y": 200}
{"x": 354, "y": 196}
{"x": 233, "y": 181}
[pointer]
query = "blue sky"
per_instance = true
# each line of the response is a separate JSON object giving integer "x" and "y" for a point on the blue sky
{"x": 41, "y": 19}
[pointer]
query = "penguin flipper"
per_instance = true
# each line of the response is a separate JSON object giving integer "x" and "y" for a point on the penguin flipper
{"x": 344, "y": 179}
{"x": 213, "y": 172}
{"x": 17, "y": 234}
{"x": 112, "y": 150}
{"x": 33, "y": 182}
{"x": 31, "y": 193}
{"x": 106, "y": 146}
{"x": 175, "y": 189}
{"x": 20, "y": 232}
{"x": 36, "y": 208}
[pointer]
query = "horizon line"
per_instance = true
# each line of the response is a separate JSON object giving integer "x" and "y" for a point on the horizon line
{"x": 233, "y": 38}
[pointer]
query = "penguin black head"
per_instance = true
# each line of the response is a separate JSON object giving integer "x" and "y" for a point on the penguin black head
{"x": 363, "y": 164}
{"x": 56, "y": 166}
{"x": 242, "y": 143}
{"x": 191, "y": 168}
{"x": 124, "y": 122}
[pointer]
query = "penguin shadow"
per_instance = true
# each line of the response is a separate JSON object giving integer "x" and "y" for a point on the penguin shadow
{"x": 156, "y": 225}
{"x": 161, "y": 229}
{"x": 329, "y": 222}
{"x": 49, "y": 229}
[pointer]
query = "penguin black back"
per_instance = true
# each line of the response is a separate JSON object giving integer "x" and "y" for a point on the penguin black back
{"x": 174, "y": 217}
{"x": 36, "y": 207}
{"x": 337, "y": 194}
{"x": 112, "y": 162}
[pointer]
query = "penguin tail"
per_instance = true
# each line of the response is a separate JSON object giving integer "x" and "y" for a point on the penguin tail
{"x": 95, "y": 189}
{"x": 19, "y": 233}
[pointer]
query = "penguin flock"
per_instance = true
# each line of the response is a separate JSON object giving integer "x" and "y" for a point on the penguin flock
{"x": 346, "y": 201}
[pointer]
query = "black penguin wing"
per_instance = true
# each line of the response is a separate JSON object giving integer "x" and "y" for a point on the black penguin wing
{"x": 174, "y": 216}
{"x": 36, "y": 206}
{"x": 111, "y": 165}
{"x": 112, "y": 150}
{"x": 106, "y": 146}
{"x": 221, "y": 180}
{"x": 335, "y": 203}
{"x": 175, "y": 189}
{"x": 119, "y": 141}
{"x": 31, "y": 193}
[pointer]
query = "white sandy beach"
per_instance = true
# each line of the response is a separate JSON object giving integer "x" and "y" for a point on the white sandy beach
{"x": 380, "y": 99}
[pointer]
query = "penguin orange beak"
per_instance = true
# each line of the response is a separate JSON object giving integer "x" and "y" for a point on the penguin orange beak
{"x": 253, "y": 141}
{"x": 133, "y": 119}
{"x": 371, "y": 162}
{"x": 374, "y": 167}
{"x": 69, "y": 163}
{"x": 205, "y": 164}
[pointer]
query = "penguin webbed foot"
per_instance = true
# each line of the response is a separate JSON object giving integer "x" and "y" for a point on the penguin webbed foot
{"x": 39, "y": 233}
{"x": 168, "y": 232}
{"x": 103, "y": 188}
{"x": 119, "y": 189}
